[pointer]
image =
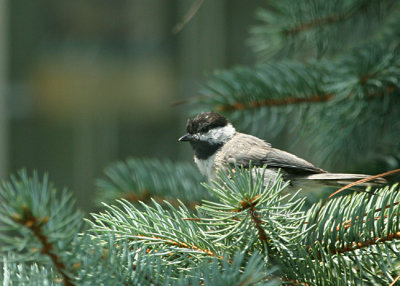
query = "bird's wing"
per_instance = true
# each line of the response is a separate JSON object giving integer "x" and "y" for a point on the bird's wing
{"x": 243, "y": 148}
{"x": 281, "y": 159}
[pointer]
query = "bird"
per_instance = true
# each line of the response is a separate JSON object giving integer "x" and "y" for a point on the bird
{"x": 218, "y": 146}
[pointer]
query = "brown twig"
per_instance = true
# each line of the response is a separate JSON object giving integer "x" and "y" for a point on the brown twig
{"x": 275, "y": 102}
{"x": 394, "y": 281}
{"x": 316, "y": 23}
{"x": 355, "y": 245}
{"x": 258, "y": 224}
{"x": 333, "y": 18}
{"x": 188, "y": 16}
{"x": 251, "y": 206}
{"x": 183, "y": 245}
{"x": 36, "y": 226}
{"x": 316, "y": 98}
{"x": 296, "y": 100}
{"x": 358, "y": 245}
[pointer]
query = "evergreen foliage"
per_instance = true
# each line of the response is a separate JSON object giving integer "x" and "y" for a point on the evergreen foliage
{"x": 161, "y": 225}
{"x": 327, "y": 74}
{"x": 250, "y": 234}
{"x": 143, "y": 179}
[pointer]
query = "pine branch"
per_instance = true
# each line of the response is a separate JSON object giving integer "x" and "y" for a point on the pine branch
{"x": 257, "y": 94}
{"x": 111, "y": 261}
{"x": 150, "y": 179}
{"x": 306, "y": 30}
{"x": 36, "y": 226}
{"x": 345, "y": 235}
{"x": 179, "y": 244}
{"x": 358, "y": 245}
{"x": 256, "y": 218}
{"x": 162, "y": 230}
{"x": 264, "y": 85}
{"x": 358, "y": 182}
{"x": 349, "y": 94}
{"x": 333, "y": 18}
{"x": 330, "y": 19}
{"x": 339, "y": 239}
{"x": 248, "y": 212}
{"x": 242, "y": 270}
{"x": 353, "y": 76}
{"x": 23, "y": 274}
{"x": 274, "y": 102}
{"x": 131, "y": 245}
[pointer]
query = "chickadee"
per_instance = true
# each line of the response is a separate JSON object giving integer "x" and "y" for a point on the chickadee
{"x": 218, "y": 146}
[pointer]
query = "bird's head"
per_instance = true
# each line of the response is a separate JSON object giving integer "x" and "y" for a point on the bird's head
{"x": 208, "y": 129}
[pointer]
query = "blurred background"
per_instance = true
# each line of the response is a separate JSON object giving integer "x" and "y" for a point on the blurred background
{"x": 86, "y": 83}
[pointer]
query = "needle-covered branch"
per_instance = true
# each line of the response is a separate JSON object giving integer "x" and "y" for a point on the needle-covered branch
{"x": 250, "y": 214}
{"x": 353, "y": 238}
{"x": 165, "y": 232}
{"x": 355, "y": 221}
{"x": 356, "y": 94}
{"x": 35, "y": 225}
{"x": 248, "y": 229}
{"x": 144, "y": 179}
{"x": 306, "y": 29}
{"x": 327, "y": 75}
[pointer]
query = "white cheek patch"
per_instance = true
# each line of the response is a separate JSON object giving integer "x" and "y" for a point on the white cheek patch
{"x": 218, "y": 135}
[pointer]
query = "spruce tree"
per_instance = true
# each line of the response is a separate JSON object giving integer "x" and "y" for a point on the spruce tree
{"x": 327, "y": 74}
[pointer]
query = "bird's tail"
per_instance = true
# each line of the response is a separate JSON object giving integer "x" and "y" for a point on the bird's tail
{"x": 338, "y": 179}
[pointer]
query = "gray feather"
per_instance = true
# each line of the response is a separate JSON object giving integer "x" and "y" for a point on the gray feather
{"x": 243, "y": 149}
{"x": 345, "y": 179}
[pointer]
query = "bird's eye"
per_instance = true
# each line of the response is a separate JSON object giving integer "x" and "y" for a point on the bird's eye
{"x": 204, "y": 129}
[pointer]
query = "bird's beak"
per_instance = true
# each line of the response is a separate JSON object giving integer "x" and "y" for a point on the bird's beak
{"x": 186, "y": 137}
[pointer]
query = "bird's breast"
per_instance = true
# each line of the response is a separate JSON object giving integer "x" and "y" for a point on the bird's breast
{"x": 206, "y": 166}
